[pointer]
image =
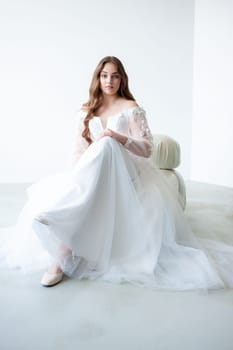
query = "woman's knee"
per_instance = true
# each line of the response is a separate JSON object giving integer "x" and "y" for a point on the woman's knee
{"x": 107, "y": 142}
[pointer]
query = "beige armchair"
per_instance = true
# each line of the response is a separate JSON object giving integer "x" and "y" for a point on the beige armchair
{"x": 166, "y": 157}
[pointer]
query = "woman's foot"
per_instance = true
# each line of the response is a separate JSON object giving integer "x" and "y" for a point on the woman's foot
{"x": 54, "y": 268}
{"x": 53, "y": 276}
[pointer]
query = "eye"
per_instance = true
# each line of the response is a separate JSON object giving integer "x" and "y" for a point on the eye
{"x": 104, "y": 76}
{"x": 116, "y": 76}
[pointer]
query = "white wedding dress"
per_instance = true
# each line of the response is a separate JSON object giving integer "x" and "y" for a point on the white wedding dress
{"x": 113, "y": 217}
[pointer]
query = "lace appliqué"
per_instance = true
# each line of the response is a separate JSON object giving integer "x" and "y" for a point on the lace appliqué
{"x": 141, "y": 121}
{"x": 140, "y": 140}
{"x": 139, "y": 130}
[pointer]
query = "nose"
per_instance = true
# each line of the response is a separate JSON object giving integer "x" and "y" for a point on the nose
{"x": 109, "y": 79}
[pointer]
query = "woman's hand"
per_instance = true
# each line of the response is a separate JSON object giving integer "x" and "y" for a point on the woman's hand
{"x": 105, "y": 132}
{"x": 118, "y": 137}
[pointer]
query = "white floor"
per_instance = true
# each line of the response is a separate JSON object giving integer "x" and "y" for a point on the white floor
{"x": 93, "y": 315}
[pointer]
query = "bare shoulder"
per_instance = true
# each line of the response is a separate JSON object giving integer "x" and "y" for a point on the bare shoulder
{"x": 131, "y": 104}
{"x": 126, "y": 104}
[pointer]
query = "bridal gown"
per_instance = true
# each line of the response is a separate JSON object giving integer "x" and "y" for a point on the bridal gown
{"x": 113, "y": 217}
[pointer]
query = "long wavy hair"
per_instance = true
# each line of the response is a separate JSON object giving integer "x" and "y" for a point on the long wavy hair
{"x": 96, "y": 95}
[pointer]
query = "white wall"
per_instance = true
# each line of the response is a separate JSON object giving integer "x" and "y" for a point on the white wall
{"x": 212, "y": 131}
{"x": 49, "y": 49}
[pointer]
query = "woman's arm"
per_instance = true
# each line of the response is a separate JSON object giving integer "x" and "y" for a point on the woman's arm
{"x": 140, "y": 140}
{"x": 79, "y": 143}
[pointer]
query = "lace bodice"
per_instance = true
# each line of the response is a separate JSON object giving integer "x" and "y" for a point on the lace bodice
{"x": 131, "y": 122}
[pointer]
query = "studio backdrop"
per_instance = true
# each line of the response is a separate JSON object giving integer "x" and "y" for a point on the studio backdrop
{"x": 49, "y": 50}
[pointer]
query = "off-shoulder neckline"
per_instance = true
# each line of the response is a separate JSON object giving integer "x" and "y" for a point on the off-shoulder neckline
{"x": 124, "y": 111}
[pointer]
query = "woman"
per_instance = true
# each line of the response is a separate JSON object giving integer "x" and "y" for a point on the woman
{"x": 112, "y": 217}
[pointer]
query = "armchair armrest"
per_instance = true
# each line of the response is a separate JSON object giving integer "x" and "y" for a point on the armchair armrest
{"x": 166, "y": 157}
{"x": 166, "y": 153}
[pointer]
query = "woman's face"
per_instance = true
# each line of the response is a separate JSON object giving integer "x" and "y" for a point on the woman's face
{"x": 110, "y": 79}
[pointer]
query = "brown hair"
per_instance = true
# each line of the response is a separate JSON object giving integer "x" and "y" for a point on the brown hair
{"x": 95, "y": 93}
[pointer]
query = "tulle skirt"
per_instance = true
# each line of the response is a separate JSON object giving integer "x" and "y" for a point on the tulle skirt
{"x": 113, "y": 217}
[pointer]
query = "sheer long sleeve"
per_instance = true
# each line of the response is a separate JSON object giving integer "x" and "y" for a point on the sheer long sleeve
{"x": 140, "y": 140}
{"x": 79, "y": 143}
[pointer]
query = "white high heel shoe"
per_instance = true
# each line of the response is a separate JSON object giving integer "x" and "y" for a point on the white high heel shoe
{"x": 51, "y": 279}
